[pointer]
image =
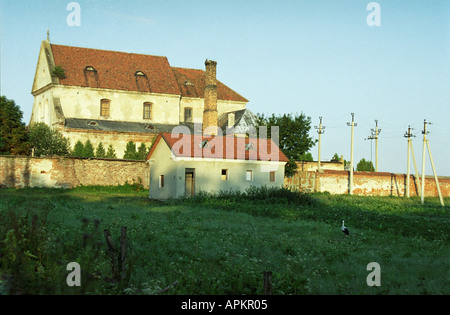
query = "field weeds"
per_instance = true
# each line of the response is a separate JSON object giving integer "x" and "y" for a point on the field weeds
{"x": 221, "y": 244}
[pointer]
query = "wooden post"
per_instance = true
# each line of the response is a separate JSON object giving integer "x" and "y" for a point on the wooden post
{"x": 111, "y": 251}
{"x": 123, "y": 253}
{"x": 267, "y": 282}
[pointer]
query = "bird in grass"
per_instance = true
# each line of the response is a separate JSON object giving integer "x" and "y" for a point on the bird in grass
{"x": 344, "y": 228}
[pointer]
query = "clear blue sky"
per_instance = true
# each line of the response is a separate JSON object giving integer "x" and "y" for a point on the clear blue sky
{"x": 318, "y": 57}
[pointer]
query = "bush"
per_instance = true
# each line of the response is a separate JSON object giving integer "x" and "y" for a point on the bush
{"x": 47, "y": 141}
{"x": 257, "y": 195}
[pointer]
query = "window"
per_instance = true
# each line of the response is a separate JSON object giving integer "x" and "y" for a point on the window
{"x": 142, "y": 81}
{"x": 147, "y": 110}
{"x": 272, "y": 176}
{"x": 204, "y": 144}
{"x": 188, "y": 114}
{"x": 104, "y": 107}
{"x": 161, "y": 181}
{"x": 91, "y": 77}
{"x": 249, "y": 146}
{"x": 249, "y": 175}
{"x": 224, "y": 174}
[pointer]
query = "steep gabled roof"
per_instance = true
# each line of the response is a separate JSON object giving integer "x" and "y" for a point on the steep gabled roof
{"x": 205, "y": 147}
{"x": 192, "y": 84}
{"x": 106, "y": 69}
{"x": 113, "y": 70}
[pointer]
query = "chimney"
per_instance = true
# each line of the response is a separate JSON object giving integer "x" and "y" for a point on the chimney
{"x": 210, "y": 116}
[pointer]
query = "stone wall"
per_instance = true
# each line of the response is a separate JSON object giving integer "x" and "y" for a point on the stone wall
{"x": 68, "y": 172}
{"x": 365, "y": 183}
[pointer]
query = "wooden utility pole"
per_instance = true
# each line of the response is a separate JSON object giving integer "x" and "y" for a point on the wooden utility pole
{"x": 320, "y": 131}
{"x": 352, "y": 124}
{"x": 425, "y": 143}
{"x": 374, "y": 136}
{"x": 408, "y": 135}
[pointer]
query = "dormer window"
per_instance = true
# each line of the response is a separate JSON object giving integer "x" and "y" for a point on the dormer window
{"x": 142, "y": 81}
{"x": 93, "y": 123}
{"x": 91, "y": 76}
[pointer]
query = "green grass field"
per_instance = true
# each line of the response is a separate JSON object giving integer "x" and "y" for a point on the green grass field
{"x": 222, "y": 244}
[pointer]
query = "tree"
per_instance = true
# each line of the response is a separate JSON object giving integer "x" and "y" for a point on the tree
{"x": 130, "y": 151}
{"x": 306, "y": 157}
{"x": 111, "y": 153}
{"x": 13, "y": 133}
{"x": 78, "y": 149}
{"x": 100, "y": 151}
{"x": 294, "y": 138}
{"x": 47, "y": 141}
{"x": 142, "y": 152}
{"x": 365, "y": 166}
{"x": 88, "y": 150}
{"x": 337, "y": 158}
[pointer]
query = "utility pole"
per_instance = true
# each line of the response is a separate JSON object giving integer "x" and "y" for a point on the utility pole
{"x": 374, "y": 135}
{"x": 352, "y": 124}
{"x": 408, "y": 135}
{"x": 426, "y": 143}
{"x": 422, "y": 189}
{"x": 320, "y": 131}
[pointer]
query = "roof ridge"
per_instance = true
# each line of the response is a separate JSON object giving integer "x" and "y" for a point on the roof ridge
{"x": 110, "y": 51}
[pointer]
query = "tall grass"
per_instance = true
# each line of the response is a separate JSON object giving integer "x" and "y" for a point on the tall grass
{"x": 221, "y": 244}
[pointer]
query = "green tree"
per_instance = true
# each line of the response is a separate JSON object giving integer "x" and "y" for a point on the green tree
{"x": 47, "y": 141}
{"x": 88, "y": 150}
{"x": 306, "y": 157}
{"x": 365, "y": 166}
{"x": 111, "y": 153}
{"x": 142, "y": 152}
{"x": 100, "y": 151}
{"x": 130, "y": 151}
{"x": 336, "y": 157}
{"x": 294, "y": 138}
{"x": 13, "y": 133}
{"x": 78, "y": 149}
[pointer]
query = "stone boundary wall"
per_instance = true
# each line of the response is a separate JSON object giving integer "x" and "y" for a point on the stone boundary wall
{"x": 365, "y": 183}
{"x": 68, "y": 172}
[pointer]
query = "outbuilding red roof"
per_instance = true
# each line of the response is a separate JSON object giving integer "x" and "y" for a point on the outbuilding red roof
{"x": 106, "y": 69}
{"x": 221, "y": 147}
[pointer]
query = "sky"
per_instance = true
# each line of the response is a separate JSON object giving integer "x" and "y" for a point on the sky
{"x": 320, "y": 58}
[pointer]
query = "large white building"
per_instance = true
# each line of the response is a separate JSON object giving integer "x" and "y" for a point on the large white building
{"x": 114, "y": 97}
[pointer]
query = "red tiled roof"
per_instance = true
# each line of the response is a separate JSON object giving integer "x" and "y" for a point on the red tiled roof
{"x": 117, "y": 70}
{"x": 191, "y": 146}
{"x": 192, "y": 84}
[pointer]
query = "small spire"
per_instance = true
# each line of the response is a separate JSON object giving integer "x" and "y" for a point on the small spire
{"x": 48, "y": 35}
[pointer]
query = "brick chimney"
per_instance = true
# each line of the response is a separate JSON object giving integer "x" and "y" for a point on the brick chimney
{"x": 210, "y": 116}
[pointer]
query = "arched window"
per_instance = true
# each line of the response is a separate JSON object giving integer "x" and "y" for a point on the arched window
{"x": 147, "y": 110}
{"x": 142, "y": 81}
{"x": 104, "y": 107}
{"x": 91, "y": 77}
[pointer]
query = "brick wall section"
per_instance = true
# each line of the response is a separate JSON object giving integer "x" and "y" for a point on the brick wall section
{"x": 365, "y": 183}
{"x": 65, "y": 172}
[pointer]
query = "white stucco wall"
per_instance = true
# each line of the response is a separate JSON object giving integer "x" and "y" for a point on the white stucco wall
{"x": 207, "y": 173}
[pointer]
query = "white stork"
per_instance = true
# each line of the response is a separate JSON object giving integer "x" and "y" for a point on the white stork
{"x": 344, "y": 228}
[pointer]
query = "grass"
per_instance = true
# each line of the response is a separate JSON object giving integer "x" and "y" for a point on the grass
{"x": 221, "y": 244}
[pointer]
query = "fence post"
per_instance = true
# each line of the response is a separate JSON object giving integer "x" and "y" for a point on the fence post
{"x": 267, "y": 282}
